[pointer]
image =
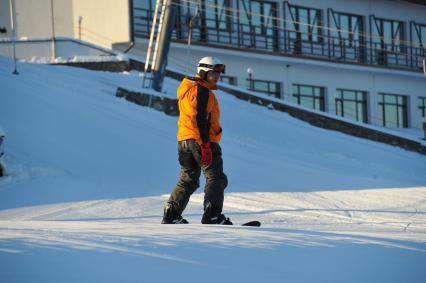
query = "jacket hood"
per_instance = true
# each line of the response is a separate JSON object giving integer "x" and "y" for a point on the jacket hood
{"x": 184, "y": 87}
{"x": 187, "y": 84}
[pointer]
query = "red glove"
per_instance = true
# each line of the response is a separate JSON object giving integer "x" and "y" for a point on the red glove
{"x": 206, "y": 154}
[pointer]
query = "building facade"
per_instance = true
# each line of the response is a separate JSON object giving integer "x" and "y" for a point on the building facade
{"x": 360, "y": 59}
{"x": 101, "y": 22}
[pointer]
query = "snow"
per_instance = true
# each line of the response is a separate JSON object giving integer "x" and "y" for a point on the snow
{"x": 72, "y": 59}
{"x": 38, "y": 50}
{"x": 89, "y": 173}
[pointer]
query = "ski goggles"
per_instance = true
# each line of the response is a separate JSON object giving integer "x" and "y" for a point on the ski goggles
{"x": 220, "y": 68}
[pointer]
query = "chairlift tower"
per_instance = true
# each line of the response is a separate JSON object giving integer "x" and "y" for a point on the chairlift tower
{"x": 161, "y": 34}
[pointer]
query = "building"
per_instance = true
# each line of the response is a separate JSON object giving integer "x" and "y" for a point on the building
{"x": 101, "y": 22}
{"x": 360, "y": 59}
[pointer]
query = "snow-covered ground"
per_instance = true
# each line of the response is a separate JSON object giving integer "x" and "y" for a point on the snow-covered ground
{"x": 89, "y": 173}
{"x": 39, "y": 50}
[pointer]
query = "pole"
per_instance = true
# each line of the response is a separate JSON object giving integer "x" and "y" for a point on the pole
{"x": 250, "y": 77}
{"x": 12, "y": 25}
{"x": 160, "y": 55}
{"x": 151, "y": 38}
{"x": 159, "y": 37}
{"x": 80, "y": 19}
{"x": 53, "y": 32}
{"x": 424, "y": 66}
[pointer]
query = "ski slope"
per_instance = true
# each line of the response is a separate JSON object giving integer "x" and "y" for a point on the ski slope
{"x": 89, "y": 173}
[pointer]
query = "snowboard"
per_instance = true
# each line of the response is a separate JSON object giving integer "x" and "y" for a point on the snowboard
{"x": 252, "y": 224}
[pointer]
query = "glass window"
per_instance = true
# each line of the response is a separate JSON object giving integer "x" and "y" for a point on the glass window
{"x": 309, "y": 96}
{"x": 261, "y": 86}
{"x": 217, "y": 14}
{"x": 186, "y": 13}
{"x": 352, "y": 104}
{"x": 259, "y": 24}
{"x": 306, "y": 90}
{"x": 228, "y": 80}
{"x": 307, "y": 101}
{"x": 144, "y": 4}
{"x": 388, "y": 40}
{"x": 142, "y": 16}
{"x": 346, "y": 29}
{"x": 305, "y": 24}
{"x": 210, "y": 13}
{"x": 393, "y": 110}
{"x": 269, "y": 87}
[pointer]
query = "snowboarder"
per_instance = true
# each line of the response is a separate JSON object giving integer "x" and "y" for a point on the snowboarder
{"x": 199, "y": 134}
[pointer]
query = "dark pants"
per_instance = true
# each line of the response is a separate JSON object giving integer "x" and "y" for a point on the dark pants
{"x": 190, "y": 162}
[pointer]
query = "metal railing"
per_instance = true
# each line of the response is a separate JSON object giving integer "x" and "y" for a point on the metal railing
{"x": 292, "y": 42}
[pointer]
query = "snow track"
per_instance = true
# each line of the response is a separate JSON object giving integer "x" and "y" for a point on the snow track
{"x": 89, "y": 174}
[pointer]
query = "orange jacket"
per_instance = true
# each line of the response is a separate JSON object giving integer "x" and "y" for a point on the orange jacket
{"x": 199, "y": 112}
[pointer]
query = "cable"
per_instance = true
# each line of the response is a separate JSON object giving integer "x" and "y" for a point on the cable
{"x": 188, "y": 50}
{"x": 333, "y": 38}
{"x": 98, "y": 34}
{"x": 184, "y": 4}
{"x": 364, "y": 34}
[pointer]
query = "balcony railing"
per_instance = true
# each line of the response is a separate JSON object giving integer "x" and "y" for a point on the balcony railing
{"x": 288, "y": 42}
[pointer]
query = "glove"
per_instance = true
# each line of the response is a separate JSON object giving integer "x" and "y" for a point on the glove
{"x": 206, "y": 154}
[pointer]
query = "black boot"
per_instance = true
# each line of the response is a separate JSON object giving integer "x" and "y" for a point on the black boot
{"x": 172, "y": 215}
{"x": 212, "y": 215}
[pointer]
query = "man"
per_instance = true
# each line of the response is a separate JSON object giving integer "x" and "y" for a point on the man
{"x": 199, "y": 134}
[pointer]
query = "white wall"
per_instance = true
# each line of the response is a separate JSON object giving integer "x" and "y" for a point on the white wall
{"x": 104, "y": 21}
{"x": 4, "y": 15}
{"x": 34, "y": 18}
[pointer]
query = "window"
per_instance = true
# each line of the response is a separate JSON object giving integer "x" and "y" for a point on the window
{"x": 422, "y": 106}
{"x": 142, "y": 17}
{"x": 185, "y": 13}
{"x": 393, "y": 110}
{"x": 304, "y": 26}
{"x": 309, "y": 96}
{"x": 347, "y": 36}
{"x": 215, "y": 21}
{"x": 258, "y": 24}
{"x": 352, "y": 104}
{"x": 268, "y": 87}
{"x": 148, "y": 5}
{"x": 228, "y": 80}
{"x": 418, "y": 49}
{"x": 388, "y": 37}
{"x": 218, "y": 14}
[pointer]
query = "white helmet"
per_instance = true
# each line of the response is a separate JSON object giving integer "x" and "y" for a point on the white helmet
{"x": 210, "y": 64}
